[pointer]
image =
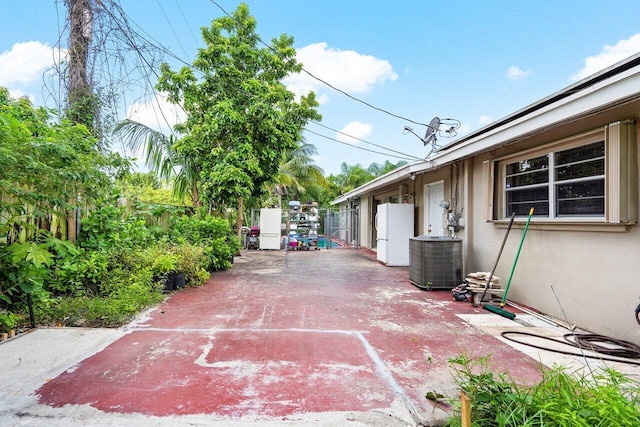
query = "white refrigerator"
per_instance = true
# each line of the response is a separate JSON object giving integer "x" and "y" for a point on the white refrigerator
{"x": 270, "y": 220}
{"x": 394, "y": 226}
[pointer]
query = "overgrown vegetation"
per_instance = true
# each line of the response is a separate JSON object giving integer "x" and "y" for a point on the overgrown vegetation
{"x": 117, "y": 268}
{"x": 240, "y": 146}
{"x": 53, "y": 172}
{"x": 561, "y": 398}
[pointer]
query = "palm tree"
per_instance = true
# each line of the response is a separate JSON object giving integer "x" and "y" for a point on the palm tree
{"x": 298, "y": 172}
{"x": 162, "y": 158}
{"x": 354, "y": 176}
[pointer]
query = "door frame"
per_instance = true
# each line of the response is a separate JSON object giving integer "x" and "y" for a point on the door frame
{"x": 427, "y": 209}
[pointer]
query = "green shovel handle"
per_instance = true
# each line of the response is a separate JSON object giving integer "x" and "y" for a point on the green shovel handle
{"x": 513, "y": 268}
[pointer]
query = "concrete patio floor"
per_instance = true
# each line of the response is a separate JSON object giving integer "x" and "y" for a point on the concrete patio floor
{"x": 327, "y": 337}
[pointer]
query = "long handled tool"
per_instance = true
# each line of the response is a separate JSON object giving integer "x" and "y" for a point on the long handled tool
{"x": 486, "y": 286}
{"x": 501, "y": 311}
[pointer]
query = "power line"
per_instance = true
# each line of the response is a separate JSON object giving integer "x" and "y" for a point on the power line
{"x": 186, "y": 22}
{"x": 131, "y": 40}
{"x": 353, "y": 146}
{"x": 127, "y": 31}
{"x": 172, "y": 29}
{"x": 329, "y": 84}
{"x": 366, "y": 142}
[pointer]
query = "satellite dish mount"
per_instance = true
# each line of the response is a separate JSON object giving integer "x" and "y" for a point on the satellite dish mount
{"x": 433, "y": 131}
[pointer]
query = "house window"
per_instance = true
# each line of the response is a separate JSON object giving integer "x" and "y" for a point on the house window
{"x": 563, "y": 183}
{"x": 580, "y": 182}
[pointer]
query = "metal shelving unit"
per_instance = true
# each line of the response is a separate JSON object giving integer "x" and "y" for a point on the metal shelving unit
{"x": 302, "y": 225}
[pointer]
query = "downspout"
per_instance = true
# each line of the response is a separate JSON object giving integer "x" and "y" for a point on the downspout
{"x": 467, "y": 244}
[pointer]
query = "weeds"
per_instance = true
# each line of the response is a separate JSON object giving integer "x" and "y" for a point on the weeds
{"x": 561, "y": 398}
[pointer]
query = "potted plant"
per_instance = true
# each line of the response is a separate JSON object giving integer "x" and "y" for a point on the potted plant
{"x": 164, "y": 266}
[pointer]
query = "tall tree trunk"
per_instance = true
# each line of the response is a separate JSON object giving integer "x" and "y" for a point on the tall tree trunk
{"x": 195, "y": 195}
{"x": 81, "y": 109}
{"x": 239, "y": 220}
{"x": 79, "y": 96}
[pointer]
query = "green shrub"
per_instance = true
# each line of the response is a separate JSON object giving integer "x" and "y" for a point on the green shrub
{"x": 215, "y": 233}
{"x": 117, "y": 269}
{"x": 123, "y": 295}
{"x": 105, "y": 229}
{"x": 79, "y": 274}
{"x": 561, "y": 398}
{"x": 9, "y": 320}
{"x": 192, "y": 260}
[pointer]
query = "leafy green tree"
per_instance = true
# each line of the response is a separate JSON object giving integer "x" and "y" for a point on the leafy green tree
{"x": 352, "y": 177}
{"x": 240, "y": 116}
{"x": 377, "y": 169}
{"x": 146, "y": 188}
{"x": 48, "y": 169}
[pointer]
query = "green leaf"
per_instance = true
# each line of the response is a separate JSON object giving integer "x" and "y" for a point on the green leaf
{"x": 36, "y": 254}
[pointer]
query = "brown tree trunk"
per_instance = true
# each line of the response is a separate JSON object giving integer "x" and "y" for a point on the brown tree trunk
{"x": 195, "y": 196}
{"x": 81, "y": 108}
{"x": 79, "y": 95}
{"x": 239, "y": 220}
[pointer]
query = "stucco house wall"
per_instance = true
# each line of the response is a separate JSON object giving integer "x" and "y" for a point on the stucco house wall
{"x": 588, "y": 269}
{"x": 585, "y": 266}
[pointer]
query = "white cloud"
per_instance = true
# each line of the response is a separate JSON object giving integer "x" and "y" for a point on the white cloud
{"x": 484, "y": 120}
{"x": 25, "y": 63}
{"x": 609, "y": 56}
{"x": 515, "y": 73}
{"x": 345, "y": 69}
{"x": 18, "y": 93}
{"x": 158, "y": 114}
{"x": 354, "y": 129}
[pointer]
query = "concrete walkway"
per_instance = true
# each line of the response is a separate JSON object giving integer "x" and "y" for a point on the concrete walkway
{"x": 327, "y": 337}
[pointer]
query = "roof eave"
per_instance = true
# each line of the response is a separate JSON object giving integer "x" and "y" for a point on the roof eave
{"x": 397, "y": 175}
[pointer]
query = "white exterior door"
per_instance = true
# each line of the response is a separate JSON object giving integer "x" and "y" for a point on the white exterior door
{"x": 433, "y": 213}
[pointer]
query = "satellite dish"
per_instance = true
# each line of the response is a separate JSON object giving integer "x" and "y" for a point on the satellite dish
{"x": 432, "y": 128}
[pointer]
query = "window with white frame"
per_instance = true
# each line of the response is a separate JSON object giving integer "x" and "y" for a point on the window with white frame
{"x": 562, "y": 183}
{"x": 591, "y": 178}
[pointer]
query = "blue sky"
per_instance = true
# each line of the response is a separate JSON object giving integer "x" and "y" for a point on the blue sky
{"x": 474, "y": 61}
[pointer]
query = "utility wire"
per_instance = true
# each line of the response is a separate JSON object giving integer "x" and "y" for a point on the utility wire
{"x": 172, "y": 29}
{"x": 187, "y": 22}
{"x": 126, "y": 33}
{"x": 313, "y": 76}
{"x": 126, "y": 23}
{"x": 359, "y": 148}
{"x": 366, "y": 142}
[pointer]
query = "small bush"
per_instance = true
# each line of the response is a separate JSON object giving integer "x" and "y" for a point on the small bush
{"x": 9, "y": 320}
{"x": 192, "y": 260}
{"x": 214, "y": 233}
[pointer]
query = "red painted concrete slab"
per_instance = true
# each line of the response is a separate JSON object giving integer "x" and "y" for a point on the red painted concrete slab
{"x": 229, "y": 373}
{"x": 287, "y": 333}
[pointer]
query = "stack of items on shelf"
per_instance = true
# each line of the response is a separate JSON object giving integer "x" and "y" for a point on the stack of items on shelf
{"x": 303, "y": 224}
{"x": 474, "y": 286}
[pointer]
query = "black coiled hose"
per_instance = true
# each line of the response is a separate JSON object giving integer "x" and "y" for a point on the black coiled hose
{"x": 598, "y": 343}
